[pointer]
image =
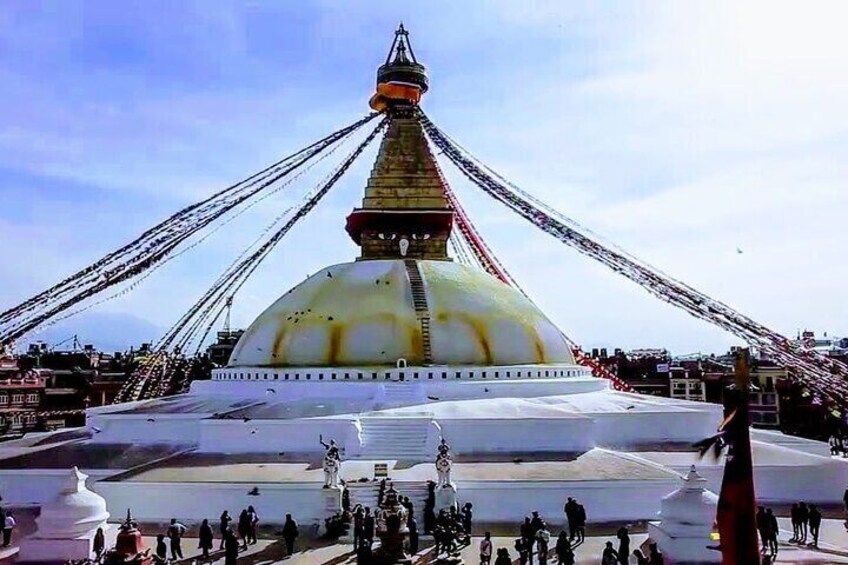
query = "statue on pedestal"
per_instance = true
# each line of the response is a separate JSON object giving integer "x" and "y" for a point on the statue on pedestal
{"x": 129, "y": 546}
{"x": 332, "y": 463}
{"x": 444, "y": 461}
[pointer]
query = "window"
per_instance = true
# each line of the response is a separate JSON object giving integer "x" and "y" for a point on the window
{"x": 458, "y": 374}
{"x": 414, "y": 375}
{"x": 444, "y": 375}
{"x": 347, "y": 376}
{"x": 32, "y": 398}
{"x": 508, "y": 374}
{"x": 373, "y": 375}
{"x": 29, "y": 419}
{"x": 484, "y": 374}
{"x": 769, "y": 399}
{"x": 546, "y": 373}
{"x": 429, "y": 375}
{"x": 17, "y": 398}
{"x": 497, "y": 375}
{"x": 320, "y": 376}
{"x": 4, "y": 398}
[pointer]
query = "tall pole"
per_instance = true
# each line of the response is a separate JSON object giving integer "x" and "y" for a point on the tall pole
{"x": 736, "y": 504}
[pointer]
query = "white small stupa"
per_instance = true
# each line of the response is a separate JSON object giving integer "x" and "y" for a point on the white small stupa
{"x": 683, "y": 533}
{"x": 67, "y": 525}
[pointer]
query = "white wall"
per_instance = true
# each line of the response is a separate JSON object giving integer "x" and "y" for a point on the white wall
{"x": 513, "y": 435}
{"x": 273, "y": 436}
{"x": 192, "y": 502}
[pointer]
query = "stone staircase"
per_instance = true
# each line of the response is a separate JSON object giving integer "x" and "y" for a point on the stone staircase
{"x": 366, "y": 494}
{"x": 402, "y": 394}
{"x": 394, "y": 438}
{"x": 422, "y": 309}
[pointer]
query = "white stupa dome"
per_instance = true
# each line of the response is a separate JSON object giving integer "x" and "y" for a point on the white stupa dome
{"x": 74, "y": 512}
{"x": 364, "y": 314}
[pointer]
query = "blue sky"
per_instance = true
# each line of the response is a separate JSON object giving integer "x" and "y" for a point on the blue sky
{"x": 682, "y": 131}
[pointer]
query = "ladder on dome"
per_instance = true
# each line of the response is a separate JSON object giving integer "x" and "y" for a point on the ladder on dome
{"x": 422, "y": 309}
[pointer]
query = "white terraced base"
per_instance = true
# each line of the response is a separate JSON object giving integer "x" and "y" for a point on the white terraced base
{"x": 395, "y": 438}
{"x": 402, "y": 394}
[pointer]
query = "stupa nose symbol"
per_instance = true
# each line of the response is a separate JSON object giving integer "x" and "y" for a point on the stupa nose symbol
{"x": 404, "y": 246}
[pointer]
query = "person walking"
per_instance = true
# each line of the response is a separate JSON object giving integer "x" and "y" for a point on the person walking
{"x": 543, "y": 540}
{"x": 815, "y": 523}
{"x": 655, "y": 557}
{"x": 290, "y": 533}
{"x": 358, "y": 526}
{"x": 231, "y": 547}
{"x": 244, "y": 527}
{"x": 486, "y": 549}
{"x": 610, "y": 555}
{"x": 623, "y": 536}
{"x": 796, "y": 524}
{"x": 176, "y": 531}
{"x": 368, "y": 527}
{"x": 570, "y": 510}
{"x": 773, "y": 531}
{"x": 803, "y": 521}
{"x": 640, "y": 558}
{"x": 467, "y": 516}
{"x": 503, "y": 557}
{"x": 99, "y": 544}
{"x": 565, "y": 555}
{"x": 412, "y": 526}
{"x": 9, "y": 524}
{"x": 161, "y": 549}
{"x": 225, "y": 522}
{"x": 205, "y": 539}
{"x": 762, "y": 528}
{"x": 527, "y": 538}
{"x": 253, "y": 524}
{"x": 581, "y": 523}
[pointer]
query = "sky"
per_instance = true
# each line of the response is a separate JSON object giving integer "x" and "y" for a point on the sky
{"x": 684, "y": 132}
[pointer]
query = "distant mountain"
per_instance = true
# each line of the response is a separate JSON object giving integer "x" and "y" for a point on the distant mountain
{"x": 107, "y": 331}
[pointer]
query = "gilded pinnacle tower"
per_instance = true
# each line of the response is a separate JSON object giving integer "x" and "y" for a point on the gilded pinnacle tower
{"x": 405, "y": 213}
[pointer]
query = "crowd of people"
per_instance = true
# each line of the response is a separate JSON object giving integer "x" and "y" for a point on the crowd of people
{"x": 806, "y": 521}
{"x": 232, "y": 540}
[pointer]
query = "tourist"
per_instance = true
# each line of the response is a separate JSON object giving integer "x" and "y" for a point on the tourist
{"x": 610, "y": 555}
{"x": 796, "y": 523}
{"x": 773, "y": 531}
{"x": 244, "y": 527}
{"x": 536, "y": 523}
{"x": 231, "y": 547}
{"x": 640, "y": 558}
{"x": 655, "y": 557}
{"x": 565, "y": 554}
{"x": 406, "y": 503}
{"x": 571, "y": 517}
{"x": 762, "y": 528}
{"x": 581, "y": 523}
{"x": 9, "y": 524}
{"x": 290, "y": 533}
{"x": 364, "y": 555}
{"x": 368, "y": 527}
{"x": 358, "y": 526}
{"x": 161, "y": 549}
{"x": 815, "y": 523}
{"x": 543, "y": 540}
{"x": 345, "y": 500}
{"x": 523, "y": 550}
{"x": 845, "y": 502}
{"x": 99, "y": 544}
{"x": 430, "y": 508}
{"x": 176, "y": 531}
{"x": 466, "y": 518}
{"x": 486, "y": 549}
{"x": 503, "y": 557}
{"x": 225, "y": 522}
{"x": 527, "y": 538}
{"x": 623, "y": 536}
{"x": 253, "y": 524}
{"x": 803, "y": 520}
{"x": 412, "y": 526}
{"x": 381, "y": 493}
{"x": 205, "y": 538}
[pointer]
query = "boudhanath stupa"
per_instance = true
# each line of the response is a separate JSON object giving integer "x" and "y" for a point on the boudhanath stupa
{"x": 387, "y": 355}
